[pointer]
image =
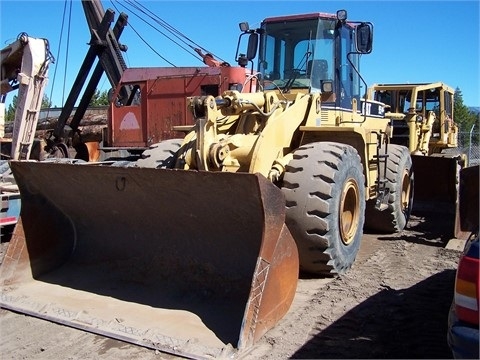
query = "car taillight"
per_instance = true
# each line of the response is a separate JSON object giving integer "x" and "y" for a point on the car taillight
{"x": 467, "y": 289}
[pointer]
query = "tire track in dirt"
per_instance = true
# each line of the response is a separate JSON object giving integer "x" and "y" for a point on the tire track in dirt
{"x": 317, "y": 303}
{"x": 392, "y": 309}
{"x": 393, "y": 303}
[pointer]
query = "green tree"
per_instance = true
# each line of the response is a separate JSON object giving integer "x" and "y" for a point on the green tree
{"x": 99, "y": 98}
{"x": 10, "y": 113}
{"x": 467, "y": 121}
{"x": 461, "y": 114}
{"x": 46, "y": 102}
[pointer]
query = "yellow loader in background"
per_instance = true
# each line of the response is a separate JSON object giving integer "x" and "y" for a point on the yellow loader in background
{"x": 195, "y": 248}
{"x": 422, "y": 120}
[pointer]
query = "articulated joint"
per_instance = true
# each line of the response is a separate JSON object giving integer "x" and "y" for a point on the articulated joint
{"x": 278, "y": 168}
{"x": 218, "y": 153}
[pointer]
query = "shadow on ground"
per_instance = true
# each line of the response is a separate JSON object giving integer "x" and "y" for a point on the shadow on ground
{"x": 393, "y": 324}
{"x": 424, "y": 228}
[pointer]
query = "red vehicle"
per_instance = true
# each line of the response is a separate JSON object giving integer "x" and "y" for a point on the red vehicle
{"x": 463, "y": 328}
{"x": 463, "y": 318}
{"x": 157, "y": 108}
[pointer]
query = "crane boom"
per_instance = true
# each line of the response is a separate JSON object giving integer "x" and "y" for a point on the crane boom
{"x": 24, "y": 66}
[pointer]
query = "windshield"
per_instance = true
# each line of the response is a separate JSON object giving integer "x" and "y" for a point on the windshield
{"x": 400, "y": 101}
{"x": 300, "y": 53}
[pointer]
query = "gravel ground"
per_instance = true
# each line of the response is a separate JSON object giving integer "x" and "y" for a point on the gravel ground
{"x": 392, "y": 304}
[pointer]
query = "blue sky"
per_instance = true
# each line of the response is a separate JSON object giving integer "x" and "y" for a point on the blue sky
{"x": 414, "y": 41}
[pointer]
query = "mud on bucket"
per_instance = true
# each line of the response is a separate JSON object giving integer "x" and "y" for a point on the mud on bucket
{"x": 185, "y": 262}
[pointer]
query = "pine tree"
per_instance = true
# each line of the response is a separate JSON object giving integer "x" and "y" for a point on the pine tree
{"x": 461, "y": 114}
{"x": 10, "y": 113}
{"x": 99, "y": 98}
{"x": 46, "y": 102}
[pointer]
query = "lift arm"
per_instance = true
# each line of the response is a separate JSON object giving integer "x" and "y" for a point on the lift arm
{"x": 24, "y": 66}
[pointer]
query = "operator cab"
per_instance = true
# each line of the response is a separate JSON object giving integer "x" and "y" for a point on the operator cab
{"x": 316, "y": 53}
{"x": 417, "y": 100}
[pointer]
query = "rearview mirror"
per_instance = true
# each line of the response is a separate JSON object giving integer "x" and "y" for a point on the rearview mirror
{"x": 364, "y": 38}
{"x": 252, "y": 46}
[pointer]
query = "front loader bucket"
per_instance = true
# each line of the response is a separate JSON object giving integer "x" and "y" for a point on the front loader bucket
{"x": 468, "y": 201}
{"x": 436, "y": 187}
{"x": 197, "y": 264}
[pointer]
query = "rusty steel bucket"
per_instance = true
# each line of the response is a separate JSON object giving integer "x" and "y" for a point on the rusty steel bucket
{"x": 468, "y": 201}
{"x": 436, "y": 187}
{"x": 197, "y": 264}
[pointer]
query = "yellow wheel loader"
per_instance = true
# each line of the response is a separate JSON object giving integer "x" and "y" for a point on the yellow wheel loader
{"x": 195, "y": 248}
{"x": 422, "y": 120}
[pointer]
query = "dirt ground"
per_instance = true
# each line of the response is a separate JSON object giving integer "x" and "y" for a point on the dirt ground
{"x": 392, "y": 304}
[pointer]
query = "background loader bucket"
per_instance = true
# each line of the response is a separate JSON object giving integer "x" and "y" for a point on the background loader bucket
{"x": 469, "y": 200}
{"x": 197, "y": 264}
{"x": 436, "y": 187}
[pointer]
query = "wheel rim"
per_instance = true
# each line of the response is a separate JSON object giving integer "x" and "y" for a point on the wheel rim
{"x": 406, "y": 189}
{"x": 349, "y": 212}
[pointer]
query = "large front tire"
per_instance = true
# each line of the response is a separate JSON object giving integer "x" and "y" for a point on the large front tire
{"x": 324, "y": 189}
{"x": 399, "y": 178}
{"x": 162, "y": 155}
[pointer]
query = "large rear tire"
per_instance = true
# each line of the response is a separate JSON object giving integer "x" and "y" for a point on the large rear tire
{"x": 399, "y": 178}
{"x": 324, "y": 189}
{"x": 162, "y": 155}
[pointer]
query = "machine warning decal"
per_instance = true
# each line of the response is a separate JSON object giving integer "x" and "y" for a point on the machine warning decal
{"x": 129, "y": 122}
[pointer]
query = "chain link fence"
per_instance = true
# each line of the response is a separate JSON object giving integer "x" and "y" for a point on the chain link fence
{"x": 468, "y": 143}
